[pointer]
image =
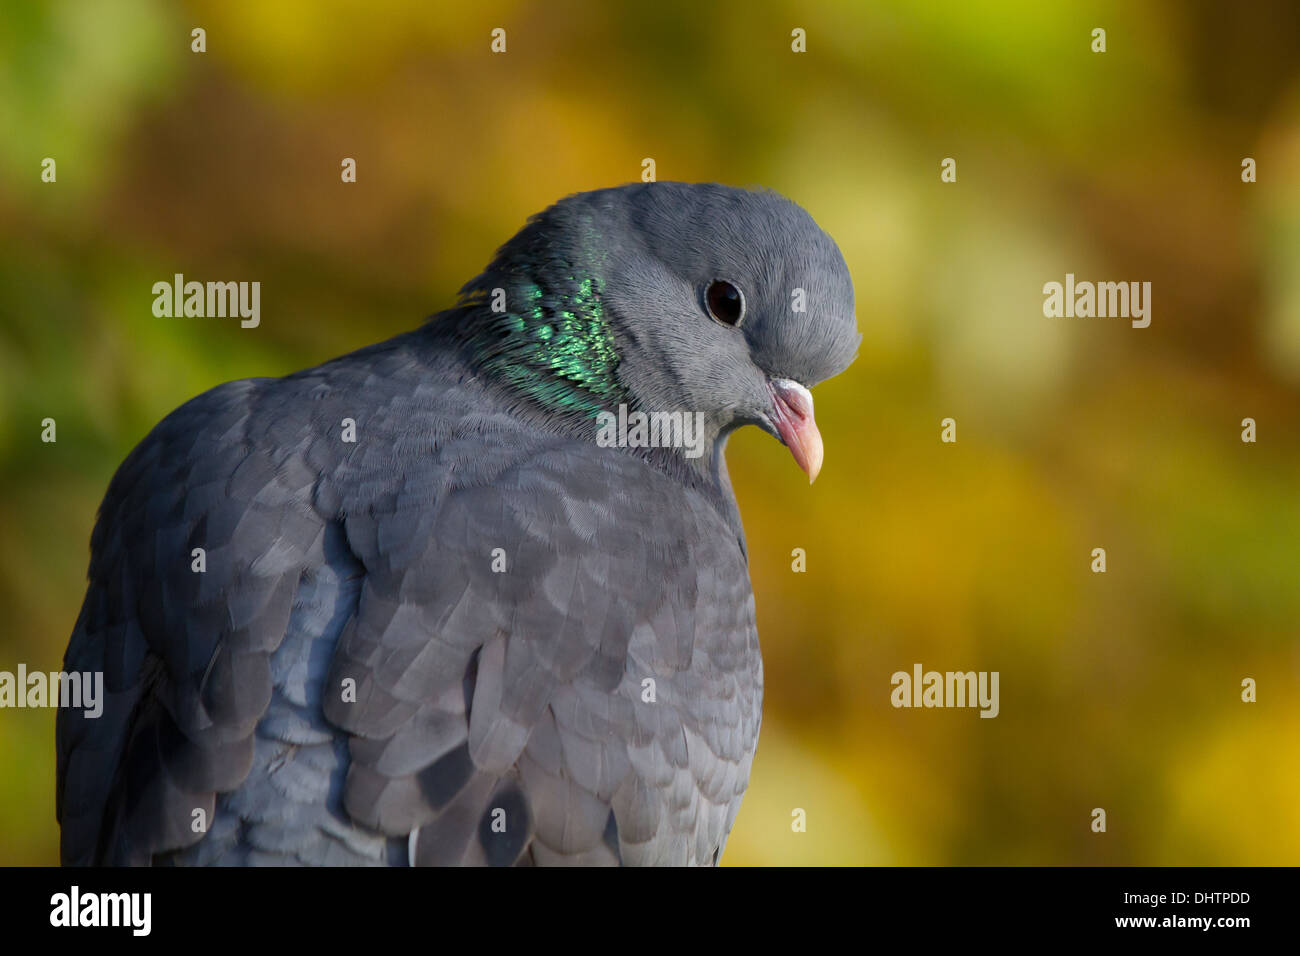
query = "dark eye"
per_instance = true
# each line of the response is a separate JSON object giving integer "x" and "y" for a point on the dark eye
{"x": 724, "y": 302}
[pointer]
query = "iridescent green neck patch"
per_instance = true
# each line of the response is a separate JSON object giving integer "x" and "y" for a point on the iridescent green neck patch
{"x": 552, "y": 342}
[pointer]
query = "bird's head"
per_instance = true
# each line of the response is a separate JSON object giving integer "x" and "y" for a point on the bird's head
{"x": 675, "y": 297}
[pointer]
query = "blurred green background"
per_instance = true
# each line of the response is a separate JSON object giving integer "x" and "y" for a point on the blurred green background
{"x": 1119, "y": 691}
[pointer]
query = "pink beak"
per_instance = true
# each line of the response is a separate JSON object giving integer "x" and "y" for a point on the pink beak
{"x": 793, "y": 418}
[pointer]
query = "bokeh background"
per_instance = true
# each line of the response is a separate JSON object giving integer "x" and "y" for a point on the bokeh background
{"x": 1119, "y": 691}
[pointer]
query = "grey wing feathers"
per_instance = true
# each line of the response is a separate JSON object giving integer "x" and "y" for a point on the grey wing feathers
{"x": 185, "y": 654}
{"x": 354, "y": 679}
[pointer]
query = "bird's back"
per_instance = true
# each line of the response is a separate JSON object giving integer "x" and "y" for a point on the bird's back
{"x": 374, "y": 613}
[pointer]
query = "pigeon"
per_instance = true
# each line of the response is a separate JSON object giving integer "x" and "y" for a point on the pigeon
{"x": 405, "y": 608}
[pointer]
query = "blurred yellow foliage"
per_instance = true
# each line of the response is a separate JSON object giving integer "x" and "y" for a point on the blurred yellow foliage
{"x": 1119, "y": 690}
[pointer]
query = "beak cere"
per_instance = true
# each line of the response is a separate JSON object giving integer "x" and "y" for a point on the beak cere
{"x": 793, "y": 417}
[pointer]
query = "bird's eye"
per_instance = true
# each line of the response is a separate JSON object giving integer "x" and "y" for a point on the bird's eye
{"x": 724, "y": 302}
